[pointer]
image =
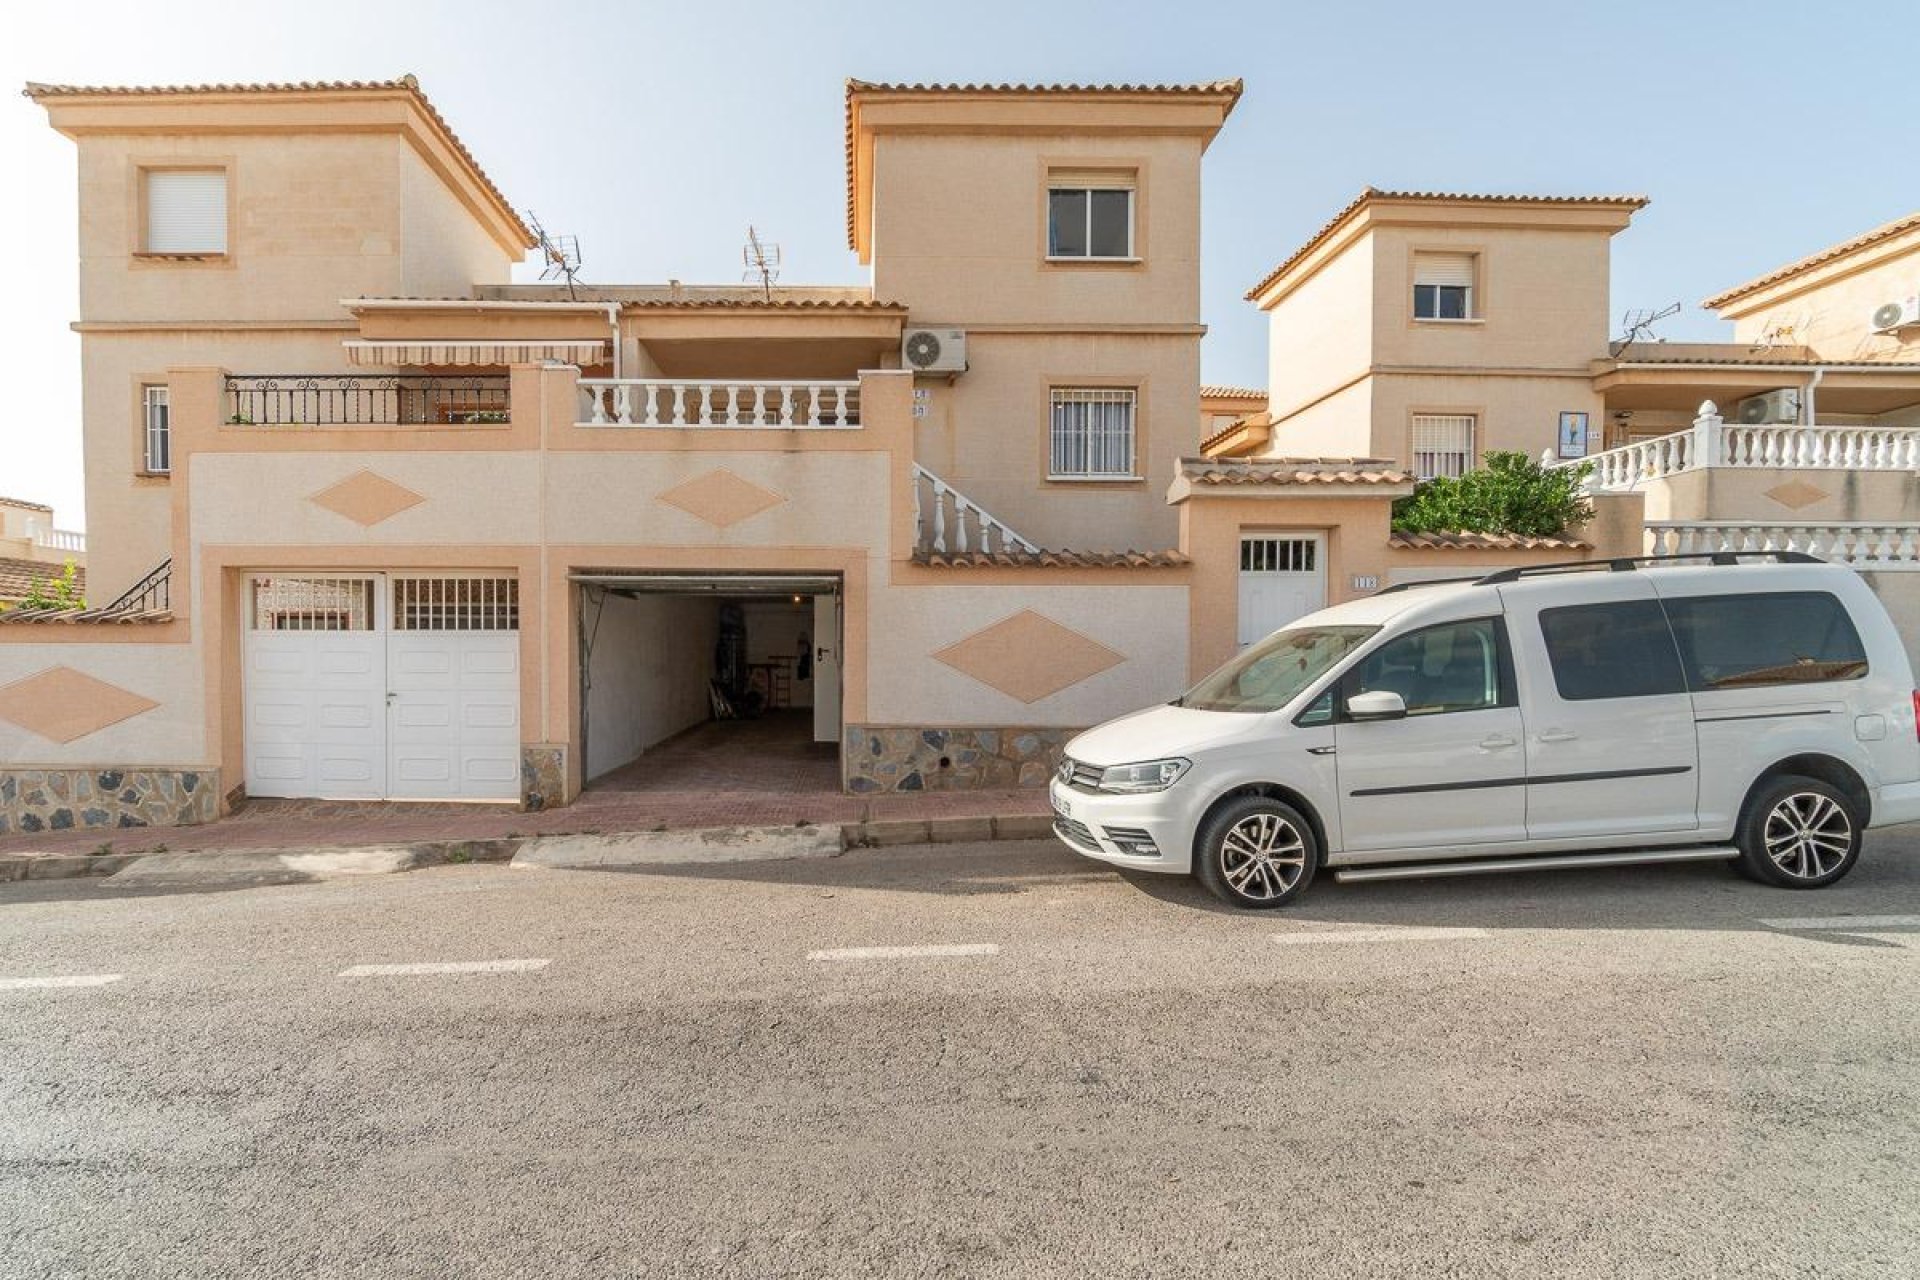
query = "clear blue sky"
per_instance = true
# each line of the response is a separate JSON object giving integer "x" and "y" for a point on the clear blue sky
{"x": 657, "y": 132}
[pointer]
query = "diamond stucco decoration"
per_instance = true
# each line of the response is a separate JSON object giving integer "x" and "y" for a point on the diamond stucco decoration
{"x": 721, "y": 498}
{"x": 1028, "y": 656}
{"x": 1795, "y": 494}
{"x": 62, "y": 704}
{"x": 366, "y": 498}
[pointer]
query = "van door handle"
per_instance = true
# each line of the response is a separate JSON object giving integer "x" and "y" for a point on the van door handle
{"x": 1498, "y": 742}
{"x": 1558, "y": 735}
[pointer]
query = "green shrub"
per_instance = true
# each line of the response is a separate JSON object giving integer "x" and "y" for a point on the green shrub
{"x": 62, "y": 592}
{"x": 1512, "y": 493}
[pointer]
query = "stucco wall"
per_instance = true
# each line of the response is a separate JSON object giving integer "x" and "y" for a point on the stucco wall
{"x": 1518, "y": 413}
{"x": 447, "y": 252}
{"x": 652, "y": 657}
{"x": 1829, "y": 308}
{"x": 1338, "y": 426}
{"x": 989, "y": 433}
{"x": 1795, "y": 496}
{"x": 172, "y": 734}
{"x": 1319, "y": 339}
{"x": 1541, "y": 298}
{"x": 960, "y": 229}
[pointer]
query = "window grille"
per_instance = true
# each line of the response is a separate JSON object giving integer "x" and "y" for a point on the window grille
{"x": 186, "y": 211}
{"x": 1278, "y": 555}
{"x": 156, "y": 437}
{"x": 1092, "y": 433}
{"x": 311, "y": 604}
{"x": 1442, "y": 444}
{"x": 442, "y": 603}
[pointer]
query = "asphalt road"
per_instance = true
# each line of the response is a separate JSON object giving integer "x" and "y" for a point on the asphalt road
{"x": 1622, "y": 1073}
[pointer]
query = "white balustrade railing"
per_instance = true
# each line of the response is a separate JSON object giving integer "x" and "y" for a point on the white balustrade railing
{"x": 1863, "y": 544}
{"x": 1713, "y": 442}
{"x": 811, "y": 405}
{"x": 947, "y": 521}
{"x": 1823, "y": 448}
{"x": 60, "y": 539}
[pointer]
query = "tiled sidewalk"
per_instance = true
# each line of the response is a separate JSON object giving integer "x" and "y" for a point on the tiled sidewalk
{"x": 717, "y": 775}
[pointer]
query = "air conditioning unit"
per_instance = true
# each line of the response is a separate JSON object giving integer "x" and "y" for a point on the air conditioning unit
{"x": 1897, "y": 314}
{"x": 1772, "y": 409}
{"x": 934, "y": 350}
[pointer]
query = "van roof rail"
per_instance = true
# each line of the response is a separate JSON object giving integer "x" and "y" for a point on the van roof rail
{"x": 1626, "y": 564}
{"x": 1429, "y": 582}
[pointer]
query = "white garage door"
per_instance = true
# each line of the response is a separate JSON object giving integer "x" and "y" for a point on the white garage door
{"x": 1281, "y": 578}
{"x": 377, "y": 686}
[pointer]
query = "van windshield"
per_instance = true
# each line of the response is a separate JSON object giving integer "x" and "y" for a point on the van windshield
{"x": 1274, "y": 672}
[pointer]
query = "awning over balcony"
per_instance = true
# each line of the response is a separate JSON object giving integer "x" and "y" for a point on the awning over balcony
{"x": 388, "y": 353}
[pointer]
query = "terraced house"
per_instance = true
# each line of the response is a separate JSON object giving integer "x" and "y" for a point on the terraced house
{"x": 368, "y": 520}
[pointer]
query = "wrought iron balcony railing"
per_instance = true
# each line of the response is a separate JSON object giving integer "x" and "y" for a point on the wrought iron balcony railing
{"x": 348, "y": 400}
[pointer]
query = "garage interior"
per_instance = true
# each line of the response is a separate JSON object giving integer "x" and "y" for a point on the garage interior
{"x": 717, "y": 682}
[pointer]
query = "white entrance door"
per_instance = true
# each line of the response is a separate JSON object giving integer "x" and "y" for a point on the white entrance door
{"x": 383, "y": 687}
{"x": 315, "y": 688}
{"x": 1282, "y": 577}
{"x": 826, "y": 668}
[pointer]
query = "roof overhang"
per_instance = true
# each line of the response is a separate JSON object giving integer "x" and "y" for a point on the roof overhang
{"x": 383, "y": 106}
{"x": 638, "y": 582}
{"x": 1006, "y": 109}
{"x": 389, "y": 352}
{"x": 1374, "y": 208}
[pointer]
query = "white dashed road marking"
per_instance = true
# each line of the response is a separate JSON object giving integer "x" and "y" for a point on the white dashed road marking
{"x": 454, "y": 966}
{"x": 74, "y": 980}
{"x": 1376, "y": 935}
{"x": 1844, "y": 924}
{"x": 950, "y": 951}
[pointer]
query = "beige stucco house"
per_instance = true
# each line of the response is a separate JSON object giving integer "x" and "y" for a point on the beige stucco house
{"x": 33, "y": 549}
{"x": 376, "y": 522}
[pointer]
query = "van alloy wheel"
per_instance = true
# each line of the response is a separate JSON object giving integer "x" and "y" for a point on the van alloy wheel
{"x": 1807, "y": 835}
{"x": 1262, "y": 856}
{"x": 1798, "y": 833}
{"x": 1256, "y": 852}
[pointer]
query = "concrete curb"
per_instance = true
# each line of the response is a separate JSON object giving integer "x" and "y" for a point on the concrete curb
{"x": 298, "y": 865}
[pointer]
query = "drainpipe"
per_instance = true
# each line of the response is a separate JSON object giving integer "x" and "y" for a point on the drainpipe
{"x": 613, "y": 323}
{"x": 1813, "y": 386}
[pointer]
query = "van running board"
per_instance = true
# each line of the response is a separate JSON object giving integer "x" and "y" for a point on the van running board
{"x": 1550, "y": 862}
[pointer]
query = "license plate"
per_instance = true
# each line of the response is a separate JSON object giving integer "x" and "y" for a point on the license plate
{"x": 1060, "y": 806}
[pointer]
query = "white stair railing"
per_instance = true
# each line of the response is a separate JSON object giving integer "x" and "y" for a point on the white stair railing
{"x": 792, "y": 405}
{"x": 947, "y": 521}
{"x": 1879, "y": 546}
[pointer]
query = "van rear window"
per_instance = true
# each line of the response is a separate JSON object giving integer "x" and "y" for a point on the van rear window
{"x": 1769, "y": 638}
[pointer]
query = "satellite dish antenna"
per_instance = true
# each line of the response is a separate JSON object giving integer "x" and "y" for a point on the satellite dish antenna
{"x": 762, "y": 260}
{"x": 1639, "y": 324}
{"x": 559, "y": 256}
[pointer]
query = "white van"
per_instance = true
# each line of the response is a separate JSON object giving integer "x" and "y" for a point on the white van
{"x": 1753, "y": 709}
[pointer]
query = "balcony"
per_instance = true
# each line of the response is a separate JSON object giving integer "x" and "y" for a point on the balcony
{"x": 804, "y": 405}
{"x": 349, "y": 400}
{"x": 1713, "y": 443}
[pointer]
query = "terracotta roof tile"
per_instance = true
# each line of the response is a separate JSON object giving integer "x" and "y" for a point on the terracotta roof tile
{"x": 1209, "y": 89}
{"x": 1214, "y": 391}
{"x": 1376, "y": 195}
{"x": 405, "y": 84}
{"x": 1051, "y": 560}
{"x": 1293, "y": 471}
{"x": 1841, "y": 250}
{"x": 22, "y": 503}
{"x": 18, "y": 576}
{"x": 1463, "y": 540}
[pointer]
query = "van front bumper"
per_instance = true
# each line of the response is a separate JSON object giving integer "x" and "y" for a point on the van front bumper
{"x": 1152, "y": 832}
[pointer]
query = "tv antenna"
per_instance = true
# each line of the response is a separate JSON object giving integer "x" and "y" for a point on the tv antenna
{"x": 763, "y": 263}
{"x": 1778, "y": 333}
{"x": 559, "y": 256}
{"x": 1640, "y": 321}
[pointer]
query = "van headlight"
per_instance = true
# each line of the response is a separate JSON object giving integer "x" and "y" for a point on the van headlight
{"x": 1150, "y": 775}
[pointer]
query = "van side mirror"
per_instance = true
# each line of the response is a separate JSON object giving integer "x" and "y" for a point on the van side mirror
{"x": 1377, "y": 704}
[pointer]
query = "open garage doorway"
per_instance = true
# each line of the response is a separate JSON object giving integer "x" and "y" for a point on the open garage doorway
{"x": 723, "y": 683}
